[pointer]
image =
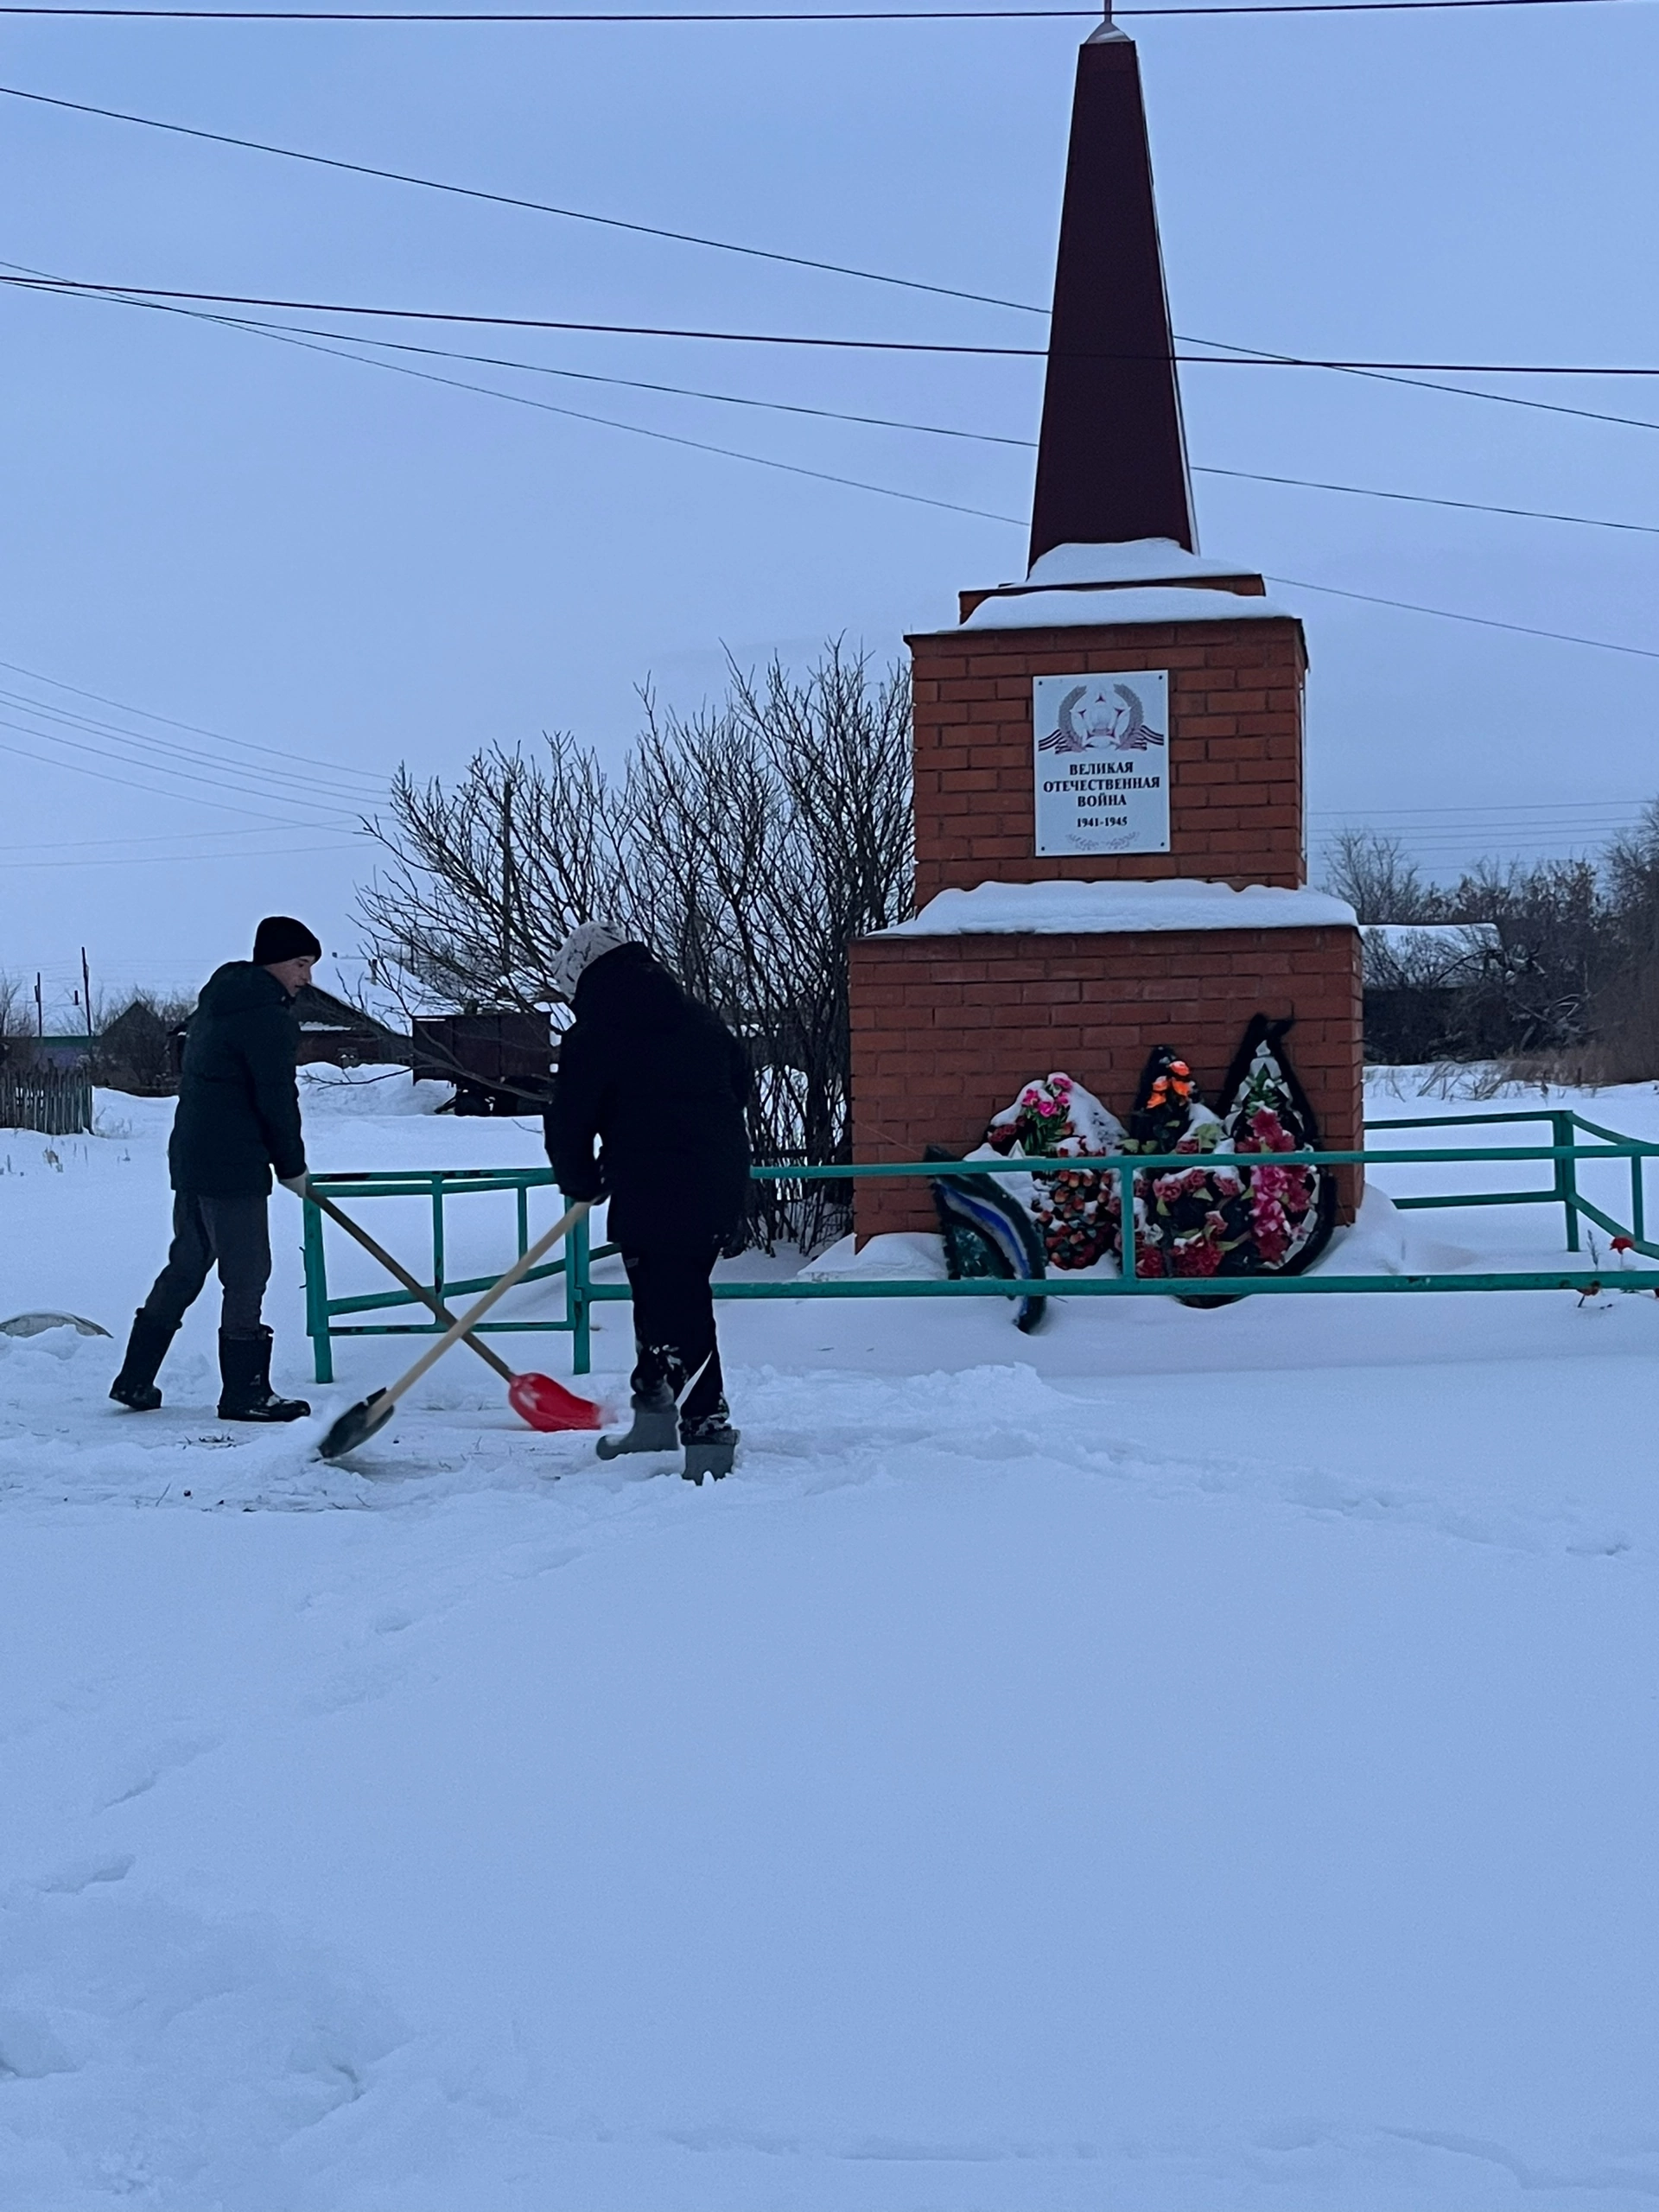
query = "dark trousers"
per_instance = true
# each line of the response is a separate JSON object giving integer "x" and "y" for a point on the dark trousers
{"x": 674, "y": 1331}
{"x": 236, "y": 1232}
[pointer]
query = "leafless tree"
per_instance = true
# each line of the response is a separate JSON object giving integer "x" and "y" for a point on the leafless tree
{"x": 1373, "y": 873}
{"x": 1571, "y": 982}
{"x": 771, "y": 831}
{"x": 748, "y": 844}
{"x": 481, "y": 882}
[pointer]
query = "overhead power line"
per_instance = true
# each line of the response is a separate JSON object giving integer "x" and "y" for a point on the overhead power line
{"x": 161, "y": 781}
{"x": 286, "y": 334}
{"x": 1481, "y": 621}
{"x": 782, "y": 14}
{"x": 762, "y": 253}
{"x": 194, "y": 729}
{"x": 512, "y": 199}
{"x": 921, "y": 429}
{"x": 1443, "y": 614}
{"x": 295, "y": 796}
{"x": 1456, "y": 390}
{"x": 1524, "y": 813}
{"x": 273, "y": 784}
{"x": 1429, "y": 500}
{"x": 636, "y": 429}
{"x": 35, "y": 845}
{"x": 890, "y": 423}
{"x": 1454, "y": 830}
{"x": 1601, "y": 644}
{"x": 298, "y": 334}
{"x": 283, "y": 334}
{"x": 193, "y": 859}
{"x": 1255, "y": 360}
{"x": 152, "y": 788}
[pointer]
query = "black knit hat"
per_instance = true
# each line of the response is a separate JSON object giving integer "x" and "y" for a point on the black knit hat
{"x": 279, "y": 936}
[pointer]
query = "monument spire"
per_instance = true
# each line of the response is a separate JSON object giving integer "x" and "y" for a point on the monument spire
{"x": 1111, "y": 461}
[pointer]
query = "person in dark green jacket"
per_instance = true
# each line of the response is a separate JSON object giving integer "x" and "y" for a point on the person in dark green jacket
{"x": 237, "y": 1123}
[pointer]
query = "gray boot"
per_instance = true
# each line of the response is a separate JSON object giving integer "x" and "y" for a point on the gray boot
{"x": 710, "y": 1445}
{"x": 655, "y": 1427}
{"x": 710, "y": 1458}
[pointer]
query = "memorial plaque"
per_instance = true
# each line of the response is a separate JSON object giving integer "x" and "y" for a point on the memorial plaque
{"x": 1101, "y": 762}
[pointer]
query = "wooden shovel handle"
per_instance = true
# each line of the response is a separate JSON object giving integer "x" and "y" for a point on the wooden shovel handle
{"x": 520, "y": 1268}
{"x": 396, "y": 1267}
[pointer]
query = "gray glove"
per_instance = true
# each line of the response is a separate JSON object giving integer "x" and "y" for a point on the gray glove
{"x": 300, "y": 1183}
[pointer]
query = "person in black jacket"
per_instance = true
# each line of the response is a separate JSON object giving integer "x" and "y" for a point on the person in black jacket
{"x": 237, "y": 1120}
{"x": 662, "y": 1085}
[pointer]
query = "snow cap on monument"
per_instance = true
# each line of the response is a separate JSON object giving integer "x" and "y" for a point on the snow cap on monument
{"x": 587, "y": 942}
{"x": 1111, "y": 459}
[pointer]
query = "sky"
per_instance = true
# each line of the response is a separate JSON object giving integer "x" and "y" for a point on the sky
{"x": 322, "y": 569}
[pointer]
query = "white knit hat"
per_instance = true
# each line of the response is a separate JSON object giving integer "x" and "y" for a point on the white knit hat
{"x": 587, "y": 942}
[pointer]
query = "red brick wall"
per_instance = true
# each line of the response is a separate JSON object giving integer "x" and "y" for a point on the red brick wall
{"x": 946, "y": 1029}
{"x": 1234, "y": 755}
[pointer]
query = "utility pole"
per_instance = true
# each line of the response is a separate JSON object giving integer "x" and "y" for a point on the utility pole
{"x": 40, "y": 1014}
{"x": 86, "y": 992}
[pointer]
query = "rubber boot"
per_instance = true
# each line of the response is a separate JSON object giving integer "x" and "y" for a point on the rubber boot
{"x": 655, "y": 1428}
{"x": 135, "y": 1386}
{"x": 245, "y": 1374}
{"x": 710, "y": 1445}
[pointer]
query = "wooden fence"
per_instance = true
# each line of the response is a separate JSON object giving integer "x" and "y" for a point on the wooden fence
{"x": 58, "y": 1102}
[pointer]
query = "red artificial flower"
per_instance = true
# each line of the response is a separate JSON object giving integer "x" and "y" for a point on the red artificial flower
{"x": 1197, "y": 1256}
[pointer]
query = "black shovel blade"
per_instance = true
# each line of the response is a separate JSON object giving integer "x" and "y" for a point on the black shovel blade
{"x": 357, "y": 1425}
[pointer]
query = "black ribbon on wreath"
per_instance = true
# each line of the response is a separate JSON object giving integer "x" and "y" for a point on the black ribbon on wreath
{"x": 1226, "y": 1215}
{"x": 1265, "y": 1109}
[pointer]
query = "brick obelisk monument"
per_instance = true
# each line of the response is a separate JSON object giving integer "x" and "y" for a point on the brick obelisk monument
{"x": 1110, "y": 849}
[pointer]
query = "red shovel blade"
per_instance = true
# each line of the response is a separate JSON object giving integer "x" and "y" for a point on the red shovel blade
{"x": 547, "y": 1405}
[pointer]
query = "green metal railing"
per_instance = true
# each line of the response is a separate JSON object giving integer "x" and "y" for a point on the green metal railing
{"x": 327, "y": 1318}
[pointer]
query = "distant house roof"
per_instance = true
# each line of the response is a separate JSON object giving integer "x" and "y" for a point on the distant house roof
{"x": 139, "y": 1017}
{"x": 320, "y": 1010}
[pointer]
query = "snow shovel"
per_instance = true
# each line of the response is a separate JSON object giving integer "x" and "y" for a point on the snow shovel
{"x": 538, "y": 1399}
{"x": 35, "y": 1324}
{"x": 359, "y": 1422}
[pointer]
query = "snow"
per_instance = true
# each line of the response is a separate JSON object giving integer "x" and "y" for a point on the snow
{"x": 1136, "y": 561}
{"x": 1059, "y": 908}
{"x": 1191, "y": 1761}
{"x": 1105, "y": 610}
{"x": 893, "y": 1258}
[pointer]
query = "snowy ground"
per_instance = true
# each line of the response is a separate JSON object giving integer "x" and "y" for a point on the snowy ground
{"x": 1182, "y": 1760}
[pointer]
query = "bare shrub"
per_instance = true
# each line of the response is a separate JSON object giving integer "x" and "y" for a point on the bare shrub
{"x": 1568, "y": 986}
{"x": 748, "y": 843}
{"x": 12, "y": 1001}
{"x": 1379, "y": 882}
{"x": 483, "y": 881}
